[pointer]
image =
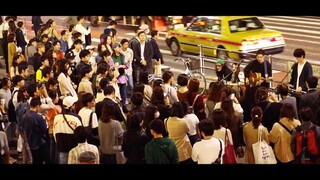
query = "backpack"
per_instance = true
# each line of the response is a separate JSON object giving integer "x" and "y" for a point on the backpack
{"x": 11, "y": 109}
{"x": 21, "y": 110}
{"x": 306, "y": 141}
{"x": 92, "y": 139}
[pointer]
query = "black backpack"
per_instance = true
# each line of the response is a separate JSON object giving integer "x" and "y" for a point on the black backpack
{"x": 11, "y": 109}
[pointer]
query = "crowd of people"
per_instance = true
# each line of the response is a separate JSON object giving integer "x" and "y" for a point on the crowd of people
{"x": 62, "y": 105}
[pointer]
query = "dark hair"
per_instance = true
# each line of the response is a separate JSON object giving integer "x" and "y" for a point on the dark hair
{"x": 137, "y": 98}
{"x": 260, "y": 51}
{"x": 149, "y": 114}
{"x": 219, "y": 119}
{"x": 312, "y": 81}
{"x": 85, "y": 70}
{"x": 123, "y": 41}
{"x": 108, "y": 112}
{"x": 113, "y": 22}
{"x": 35, "y": 102}
{"x": 299, "y": 53}
{"x": 45, "y": 71}
{"x": 261, "y": 94}
{"x": 193, "y": 85}
{"x": 103, "y": 82}
{"x": 52, "y": 81}
{"x": 108, "y": 90}
{"x": 157, "y": 126}
{"x": 5, "y": 81}
{"x": 20, "y": 95}
{"x": 207, "y": 127}
{"x": 22, "y": 66}
{"x": 52, "y": 94}
{"x": 140, "y": 32}
{"x": 31, "y": 89}
{"x": 182, "y": 80}
{"x": 62, "y": 66}
{"x": 135, "y": 121}
{"x": 138, "y": 87}
{"x": 185, "y": 107}
{"x": 166, "y": 76}
{"x": 83, "y": 53}
{"x": 306, "y": 113}
{"x": 215, "y": 91}
{"x": 86, "y": 98}
{"x": 16, "y": 79}
{"x": 287, "y": 111}
{"x": 177, "y": 110}
{"x": 157, "y": 96}
{"x": 154, "y": 33}
{"x": 283, "y": 89}
{"x": 81, "y": 134}
{"x": 256, "y": 116}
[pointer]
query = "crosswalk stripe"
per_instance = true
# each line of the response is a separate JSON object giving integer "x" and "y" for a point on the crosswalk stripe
{"x": 291, "y": 20}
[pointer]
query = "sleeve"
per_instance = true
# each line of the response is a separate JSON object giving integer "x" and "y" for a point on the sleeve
{"x": 38, "y": 75}
{"x": 293, "y": 142}
{"x": 136, "y": 54}
{"x": 94, "y": 121}
{"x": 273, "y": 135}
{"x": 173, "y": 94}
{"x": 82, "y": 29}
{"x": 65, "y": 82}
{"x": 71, "y": 157}
{"x": 194, "y": 154}
{"x": 265, "y": 134}
{"x": 148, "y": 154}
{"x": 247, "y": 69}
{"x": 46, "y": 104}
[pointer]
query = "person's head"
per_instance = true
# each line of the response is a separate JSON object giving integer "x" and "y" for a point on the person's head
{"x": 299, "y": 54}
{"x": 121, "y": 71}
{"x": 235, "y": 68}
{"x": 113, "y": 24}
{"x": 18, "y": 81}
{"x": 81, "y": 134}
{"x": 64, "y": 65}
{"x": 256, "y": 116}
{"x": 182, "y": 80}
{"x": 6, "y": 83}
{"x": 151, "y": 113}
{"x": 138, "y": 87}
{"x": 155, "y": 34}
{"x": 156, "y": 127}
{"x": 206, "y": 127}
{"x": 283, "y": 89}
{"x": 68, "y": 102}
{"x": 185, "y": 107}
{"x": 177, "y": 110}
{"x": 88, "y": 100}
{"x": 260, "y": 56}
{"x": 35, "y": 104}
{"x": 109, "y": 91}
{"x": 47, "y": 72}
{"x": 219, "y": 65}
{"x": 116, "y": 47}
{"x": 157, "y": 95}
{"x": 108, "y": 113}
{"x": 306, "y": 114}
{"x": 312, "y": 82}
{"x": 87, "y": 157}
{"x": 219, "y": 118}
{"x": 215, "y": 91}
{"x": 142, "y": 36}
{"x": 167, "y": 77}
{"x": 124, "y": 44}
{"x": 287, "y": 111}
{"x": 33, "y": 90}
{"x": 52, "y": 84}
{"x": 54, "y": 96}
{"x": 84, "y": 55}
{"x": 193, "y": 85}
{"x": 137, "y": 99}
{"x": 86, "y": 72}
{"x": 145, "y": 28}
{"x": 22, "y": 95}
{"x": 136, "y": 121}
{"x": 261, "y": 94}
{"x": 23, "y": 69}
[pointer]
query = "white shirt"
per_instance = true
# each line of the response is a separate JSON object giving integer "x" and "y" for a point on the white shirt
{"x": 192, "y": 121}
{"x": 128, "y": 58}
{"x": 299, "y": 68}
{"x": 83, "y": 31}
{"x": 207, "y": 151}
{"x": 85, "y": 113}
{"x": 142, "y": 45}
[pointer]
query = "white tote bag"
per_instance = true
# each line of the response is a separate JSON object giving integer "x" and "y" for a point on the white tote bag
{"x": 262, "y": 152}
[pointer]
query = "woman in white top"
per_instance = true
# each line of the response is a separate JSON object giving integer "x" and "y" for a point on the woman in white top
{"x": 66, "y": 86}
{"x": 220, "y": 130}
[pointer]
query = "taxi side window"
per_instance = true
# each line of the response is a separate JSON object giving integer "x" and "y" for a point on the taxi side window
{"x": 214, "y": 26}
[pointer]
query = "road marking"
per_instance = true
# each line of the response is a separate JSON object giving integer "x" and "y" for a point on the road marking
{"x": 291, "y": 20}
{"x": 300, "y": 31}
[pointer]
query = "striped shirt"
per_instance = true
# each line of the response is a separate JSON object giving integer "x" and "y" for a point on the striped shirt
{"x": 82, "y": 147}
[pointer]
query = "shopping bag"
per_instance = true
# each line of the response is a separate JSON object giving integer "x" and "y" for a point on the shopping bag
{"x": 229, "y": 156}
{"x": 262, "y": 152}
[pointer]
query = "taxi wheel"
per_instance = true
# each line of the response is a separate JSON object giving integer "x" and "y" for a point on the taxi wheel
{"x": 222, "y": 55}
{"x": 175, "y": 48}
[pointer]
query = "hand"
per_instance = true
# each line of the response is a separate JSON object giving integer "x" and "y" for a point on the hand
{"x": 143, "y": 62}
{"x": 299, "y": 89}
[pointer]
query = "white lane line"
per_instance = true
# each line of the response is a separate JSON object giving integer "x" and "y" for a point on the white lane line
{"x": 291, "y": 20}
{"x": 296, "y": 26}
{"x": 294, "y": 30}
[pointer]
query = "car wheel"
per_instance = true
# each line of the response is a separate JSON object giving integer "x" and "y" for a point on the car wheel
{"x": 175, "y": 48}
{"x": 222, "y": 55}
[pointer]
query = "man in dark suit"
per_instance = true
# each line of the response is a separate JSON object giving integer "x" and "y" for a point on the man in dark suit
{"x": 157, "y": 55}
{"x": 109, "y": 93}
{"x": 143, "y": 53}
{"x": 300, "y": 71}
{"x": 312, "y": 97}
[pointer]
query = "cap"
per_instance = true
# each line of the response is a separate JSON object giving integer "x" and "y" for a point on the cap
{"x": 145, "y": 28}
{"x": 87, "y": 157}
{"x": 90, "y": 47}
{"x": 116, "y": 45}
{"x": 68, "y": 101}
{"x": 220, "y": 61}
{"x": 70, "y": 55}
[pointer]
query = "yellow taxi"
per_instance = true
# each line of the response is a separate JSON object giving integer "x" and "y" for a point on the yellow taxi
{"x": 222, "y": 35}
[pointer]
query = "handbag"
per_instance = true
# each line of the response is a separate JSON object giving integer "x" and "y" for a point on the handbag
{"x": 262, "y": 152}
{"x": 229, "y": 156}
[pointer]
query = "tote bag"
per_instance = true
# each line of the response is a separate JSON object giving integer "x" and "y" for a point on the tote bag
{"x": 262, "y": 152}
{"x": 229, "y": 156}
